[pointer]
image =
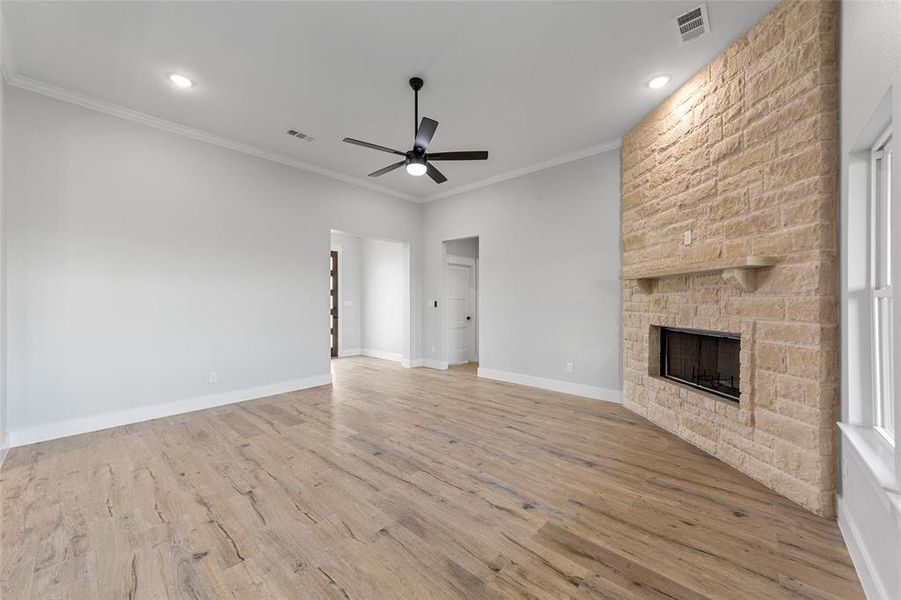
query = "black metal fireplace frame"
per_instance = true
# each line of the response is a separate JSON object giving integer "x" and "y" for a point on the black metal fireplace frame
{"x": 664, "y": 370}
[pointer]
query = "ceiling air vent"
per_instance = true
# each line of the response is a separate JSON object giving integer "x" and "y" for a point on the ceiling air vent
{"x": 692, "y": 24}
{"x": 300, "y": 135}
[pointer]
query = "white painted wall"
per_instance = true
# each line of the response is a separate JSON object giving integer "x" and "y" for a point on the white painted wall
{"x": 350, "y": 292}
{"x": 3, "y": 410}
{"x": 139, "y": 261}
{"x": 549, "y": 275}
{"x": 384, "y": 283}
{"x": 870, "y": 501}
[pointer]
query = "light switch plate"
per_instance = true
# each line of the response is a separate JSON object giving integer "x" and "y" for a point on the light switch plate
{"x": 686, "y": 238}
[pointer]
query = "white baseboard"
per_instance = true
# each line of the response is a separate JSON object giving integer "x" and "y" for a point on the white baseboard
{"x": 350, "y": 352}
{"x": 556, "y": 385}
{"x": 395, "y": 356}
{"x": 409, "y": 364}
{"x": 52, "y": 431}
{"x": 869, "y": 581}
{"x": 430, "y": 363}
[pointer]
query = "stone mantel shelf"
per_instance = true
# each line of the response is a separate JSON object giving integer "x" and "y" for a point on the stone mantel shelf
{"x": 740, "y": 272}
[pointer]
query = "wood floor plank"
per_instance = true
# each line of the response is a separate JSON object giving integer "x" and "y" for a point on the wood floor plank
{"x": 403, "y": 483}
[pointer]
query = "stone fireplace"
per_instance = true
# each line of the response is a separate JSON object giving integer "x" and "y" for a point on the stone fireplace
{"x": 744, "y": 157}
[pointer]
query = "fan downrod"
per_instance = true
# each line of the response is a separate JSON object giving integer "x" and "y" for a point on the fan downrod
{"x": 416, "y": 83}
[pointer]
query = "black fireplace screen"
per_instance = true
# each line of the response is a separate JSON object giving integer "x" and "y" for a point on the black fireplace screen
{"x": 702, "y": 359}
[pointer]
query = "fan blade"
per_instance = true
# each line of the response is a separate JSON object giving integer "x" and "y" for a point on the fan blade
{"x": 425, "y": 132}
{"x": 435, "y": 174}
{"x": 373, "y": 146}
{"x": 387, "y": 169}
{"x": 466, "y": 155}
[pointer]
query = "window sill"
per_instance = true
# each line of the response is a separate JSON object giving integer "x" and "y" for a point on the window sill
{"x": 876, "y": 453}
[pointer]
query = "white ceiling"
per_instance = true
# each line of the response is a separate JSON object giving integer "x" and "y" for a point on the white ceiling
{"x": 530, "y": 82}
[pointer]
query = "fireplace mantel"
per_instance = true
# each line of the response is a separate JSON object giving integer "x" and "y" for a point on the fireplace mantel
{"x": 739, "y": 272}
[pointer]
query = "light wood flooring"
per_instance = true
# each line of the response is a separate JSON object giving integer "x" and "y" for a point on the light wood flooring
{"x": 403, "y": 483}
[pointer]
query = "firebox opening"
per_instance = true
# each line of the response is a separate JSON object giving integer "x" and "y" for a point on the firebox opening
{"x": 702, "y": 359}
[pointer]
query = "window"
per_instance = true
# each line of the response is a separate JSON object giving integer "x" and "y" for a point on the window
{"x": 881, "y": 285}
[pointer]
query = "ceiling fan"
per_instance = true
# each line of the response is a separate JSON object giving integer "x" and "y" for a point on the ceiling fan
{"x": 418, "y": 161}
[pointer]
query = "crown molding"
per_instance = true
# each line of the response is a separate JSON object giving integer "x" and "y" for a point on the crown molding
{"x": 66, "y": 95}
{"x": 10, "y": 74}
{"x": 547, "y": 164}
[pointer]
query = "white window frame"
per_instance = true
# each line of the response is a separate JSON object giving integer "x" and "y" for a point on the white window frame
{"x": 880, "y": 279}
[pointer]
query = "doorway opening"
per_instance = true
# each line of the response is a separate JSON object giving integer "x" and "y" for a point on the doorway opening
{"x": 461, "y": 299}
{"x": 370, "y": 295}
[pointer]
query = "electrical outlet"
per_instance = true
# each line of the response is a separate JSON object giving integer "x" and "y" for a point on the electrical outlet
{"x": 214, "y": 377}
{"x": 686, "y": 238}
{"x": 569, "y": 367}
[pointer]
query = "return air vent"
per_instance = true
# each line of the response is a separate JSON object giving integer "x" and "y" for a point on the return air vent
{"x": 300, "y": 135}
{"x": 692, "y": 24}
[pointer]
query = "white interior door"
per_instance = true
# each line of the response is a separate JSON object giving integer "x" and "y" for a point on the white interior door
{"x": 461, "y": 323}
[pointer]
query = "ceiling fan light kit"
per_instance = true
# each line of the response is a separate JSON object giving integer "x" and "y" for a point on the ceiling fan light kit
{"x": 416, "y": 166}
{"x": 418, "y": 160}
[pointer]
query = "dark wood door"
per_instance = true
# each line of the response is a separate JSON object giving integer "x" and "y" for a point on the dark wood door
{"x": 333, "y": 301}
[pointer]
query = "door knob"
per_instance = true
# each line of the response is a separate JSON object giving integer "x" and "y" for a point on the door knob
{"x": 468, "y": 318}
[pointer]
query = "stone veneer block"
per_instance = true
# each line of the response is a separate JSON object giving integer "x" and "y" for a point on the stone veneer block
{"x": 745, "y": 155}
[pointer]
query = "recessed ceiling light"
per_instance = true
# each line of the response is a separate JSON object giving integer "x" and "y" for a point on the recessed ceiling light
{"x": 658, "y": 82}
{"x": 179, "y": 80}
